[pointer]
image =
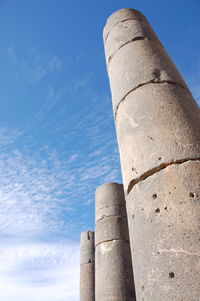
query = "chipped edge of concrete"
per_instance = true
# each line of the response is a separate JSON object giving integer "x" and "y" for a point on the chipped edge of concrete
{"x": 153, "y": 81}
{"x": 138, "y": 38}
{"x": 155, "y": 170}
{"x": 113, "y": 239}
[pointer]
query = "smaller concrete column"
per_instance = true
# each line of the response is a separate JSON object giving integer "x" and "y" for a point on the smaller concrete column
{"x": 87, "y": 267}
{"x": 113, "y": 265}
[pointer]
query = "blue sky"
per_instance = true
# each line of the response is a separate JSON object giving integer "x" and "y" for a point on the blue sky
{"x": 57, "y": 135}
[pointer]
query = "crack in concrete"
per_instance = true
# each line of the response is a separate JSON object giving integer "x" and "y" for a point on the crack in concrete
{"x": 121, "y": 216}
{"x": 106, "y": 37}
{"x": 87, "y": 263}
{"x": 108, "y": 206}
{"x": 110, "y": 240}
{"x": 153, "y": 81}
{"x": 139, "y": 38}
{"x": 181, "y": 251}
{"x": 155, "y": 170}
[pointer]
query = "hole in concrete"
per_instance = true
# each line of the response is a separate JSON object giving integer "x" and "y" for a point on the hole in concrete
{"x": 171, "y": 275}
{"x": 159, "y": 158}
{"x": 133, "y": 216}
{"x": 191, "y": 195}
{"x": 165, "y": 208}
{"x": 170, "y": 192}
{"x": 154, "y": 196}
{"x": 174, "y": 187}
{"x": 142, "y": 209}
{"x": 157, "y": 210}
{"x": 156, "y": 74}
{"x": 142, "y": 287}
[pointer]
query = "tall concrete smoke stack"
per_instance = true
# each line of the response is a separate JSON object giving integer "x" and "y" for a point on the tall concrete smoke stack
{"x": 87, "y": 267}
{"x": 158, "y": 130}
{"x": 113, "y": 274}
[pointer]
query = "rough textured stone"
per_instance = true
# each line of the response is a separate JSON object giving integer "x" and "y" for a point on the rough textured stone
{"x": 113, "y": 274}
{"x": 111, "y": 227}
{"x": 120, "y": 16}
{"x": 156, "y": 124}
{"x": 110, "y": 201}
{"x": 158, "y": 130}
{"x": 87, "y": 267}
{"x": 164, "y": 225}
{"x": 125, "y": 32}
{"x": 87, "y": 247}
{"x": 87, "y": 282}
{"x": 138, "y": 63}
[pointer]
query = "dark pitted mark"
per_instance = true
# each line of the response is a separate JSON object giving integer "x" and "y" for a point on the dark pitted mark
{"x": 156, "y": 74}
{"x": 142, "y": 287}
{"x": 191, "y": 195}
{"x": 165, "y": 208}
{"x": 170, "y": 192}
{"x": 133, "y": 216}
{"x": 154, "y": 196}
{"x": 159, "y": 158}
{"x": 157, "y": 210}
{"x": 171, "y": 275}
{"x": 142, "y": 209}
{"x": 174, "y": 187}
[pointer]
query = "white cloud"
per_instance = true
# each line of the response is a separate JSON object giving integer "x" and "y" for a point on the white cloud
{"x": 39, "y": 272}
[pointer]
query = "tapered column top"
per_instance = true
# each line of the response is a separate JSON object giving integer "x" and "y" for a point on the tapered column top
{"x": 120, "y": 16}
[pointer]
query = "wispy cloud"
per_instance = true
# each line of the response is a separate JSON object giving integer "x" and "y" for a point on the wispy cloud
{"x": 33, "y": 66}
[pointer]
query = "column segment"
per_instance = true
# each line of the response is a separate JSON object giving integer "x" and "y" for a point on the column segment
{"x": 87, "y": 267}
{"x": 113, "y": 275}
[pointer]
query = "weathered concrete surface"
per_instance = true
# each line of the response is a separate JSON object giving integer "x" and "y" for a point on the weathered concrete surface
{"x": 135, "y": 57}
{"x": 87, "y": 267}
{"x": 110, "y": 202}
{"x": 125, "y": 32}
{"x": 157, "y": 124}
{"x": 87, "y": 282}
{"x": 164, "y": 220}
{"x": 113, "y": 266}
{"x": 158, "y": 131}
{"x": 119, "y": 16}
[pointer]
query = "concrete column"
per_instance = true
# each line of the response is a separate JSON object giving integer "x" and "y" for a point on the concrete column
{"x": 87, "y": 267}
{"x": 113, "y": 274}
{"x": 158, "y": 131}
